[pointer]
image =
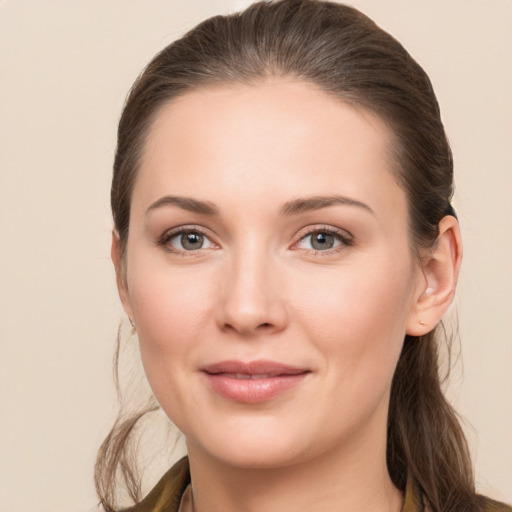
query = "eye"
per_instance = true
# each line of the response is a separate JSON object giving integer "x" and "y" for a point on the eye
{"x": 321, "y": 240}
{"x": 186, "y": 240}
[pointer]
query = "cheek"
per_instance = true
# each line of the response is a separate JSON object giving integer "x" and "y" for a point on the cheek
{"x": 356, "y": 316}
{"x": 171, "y": 309}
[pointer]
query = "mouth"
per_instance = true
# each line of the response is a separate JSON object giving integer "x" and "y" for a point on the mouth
{"x": 244, "y": 376}
{"x": 252, "y": 382}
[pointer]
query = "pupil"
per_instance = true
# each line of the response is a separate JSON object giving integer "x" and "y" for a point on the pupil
{"x": 323, "y": 241}
{"x": 192, "y": 241}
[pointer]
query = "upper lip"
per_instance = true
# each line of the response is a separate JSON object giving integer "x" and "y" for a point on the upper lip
{"x": 260, "y": 367}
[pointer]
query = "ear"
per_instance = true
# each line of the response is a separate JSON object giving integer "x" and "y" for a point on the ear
{"x": 440, "y": 268}
{"x": 120, "y": 268}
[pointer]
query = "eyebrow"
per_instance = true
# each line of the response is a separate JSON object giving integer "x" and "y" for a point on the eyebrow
{"x": 306, "y": 204}
{"x": 293, "y": 207}
{"x": 186, "y": 203}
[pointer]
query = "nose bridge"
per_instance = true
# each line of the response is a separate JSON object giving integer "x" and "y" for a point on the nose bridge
{"x": 250, "y": 298}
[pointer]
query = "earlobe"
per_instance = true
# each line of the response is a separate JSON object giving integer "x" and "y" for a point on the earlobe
{"x": 120, "y": 268}
{"x": 440, "y": 269}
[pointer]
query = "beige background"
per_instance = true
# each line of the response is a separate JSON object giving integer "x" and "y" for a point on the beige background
{"x": 65, "y": 67}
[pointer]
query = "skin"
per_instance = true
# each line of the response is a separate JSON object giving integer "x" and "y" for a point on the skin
{"x": 258, "y": 289}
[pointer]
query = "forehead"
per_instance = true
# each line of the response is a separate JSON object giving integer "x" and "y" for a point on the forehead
{"x": 267, "y": 139}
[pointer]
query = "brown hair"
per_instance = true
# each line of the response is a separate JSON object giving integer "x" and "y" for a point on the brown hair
{"x": 347, "y": 55}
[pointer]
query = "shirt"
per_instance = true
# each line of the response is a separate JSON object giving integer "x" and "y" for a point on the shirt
{"x": 166, "y": 495}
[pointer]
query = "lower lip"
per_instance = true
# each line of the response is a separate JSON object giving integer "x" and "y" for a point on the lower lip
{"x": 252, "y": 391}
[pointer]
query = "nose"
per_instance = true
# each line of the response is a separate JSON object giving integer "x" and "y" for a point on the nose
{"x": 252, "y": 297}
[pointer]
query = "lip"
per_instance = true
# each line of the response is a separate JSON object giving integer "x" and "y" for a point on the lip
{"x": 252, "y": 382}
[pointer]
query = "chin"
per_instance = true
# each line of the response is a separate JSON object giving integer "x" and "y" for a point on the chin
{"x": 250, "y": 448}
{"x": 263, "y": 457}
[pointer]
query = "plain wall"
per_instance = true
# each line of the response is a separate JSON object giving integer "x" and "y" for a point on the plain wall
{"x": 65, "y": 67}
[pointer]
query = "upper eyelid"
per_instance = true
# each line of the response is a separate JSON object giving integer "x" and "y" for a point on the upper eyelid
{"x": 309, "y": 230}
{"x": 183, "y": 229}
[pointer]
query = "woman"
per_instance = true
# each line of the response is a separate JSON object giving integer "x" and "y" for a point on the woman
{"x": 285, "y": 249}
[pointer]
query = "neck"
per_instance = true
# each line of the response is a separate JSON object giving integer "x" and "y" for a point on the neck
{"x": 340, "y": 480}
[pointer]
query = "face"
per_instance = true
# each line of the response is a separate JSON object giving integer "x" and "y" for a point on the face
{"x": 269, "y": 272}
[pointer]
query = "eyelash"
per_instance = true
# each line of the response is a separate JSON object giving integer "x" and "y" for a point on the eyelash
{"x": 164, "y": 240}
{"x": 345, "y": 239}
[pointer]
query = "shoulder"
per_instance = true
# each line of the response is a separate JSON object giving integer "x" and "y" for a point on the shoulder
{"x": 167, "y": 493}
{"x": 489, "y": 505}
